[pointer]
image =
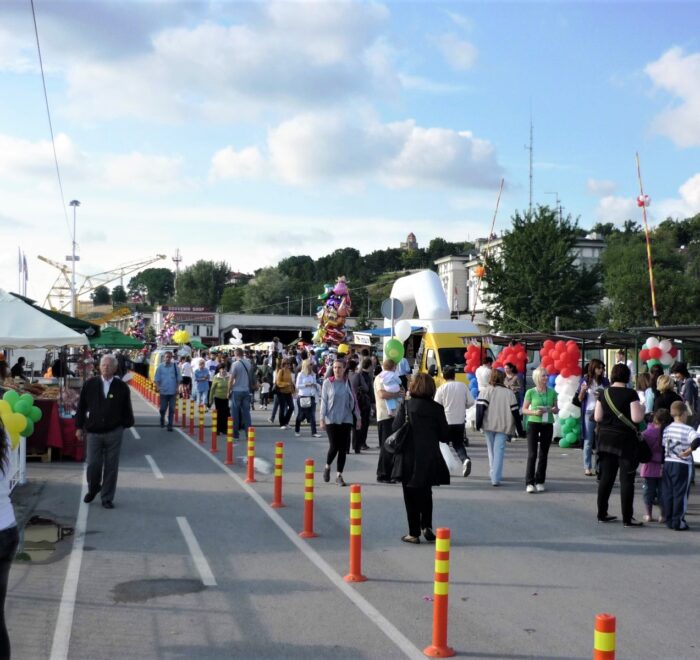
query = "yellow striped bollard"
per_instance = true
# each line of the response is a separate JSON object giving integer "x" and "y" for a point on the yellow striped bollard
{"x": 214, "y": 431}
{"x": 250, "y": 475}
{"x": 308, "y": 531}
{"x": 279, "y": 464}
{"x": 439, "y": 648}
{"x": 355, "y": 574}
{"x": 191, "y": 429}
{"x": 229, "y": 442}
{"x": 201, "y": 425}
{"x": 604, "y": 637}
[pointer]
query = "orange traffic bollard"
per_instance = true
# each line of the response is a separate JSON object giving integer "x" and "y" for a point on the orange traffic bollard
{"x": 214, "y": 429}
{"x": 201, "y": 424}
{"x": 229, "y": 442}
{"x": 308, "y": 532}
{"x": 604, "y": 637}
{"x": 250, "y": 476}
{"x": 355, "y": 574}
{"x": 439, "y": 648}
{"x": 191, "y": 429}
{"x": 176, "y": 418}
{"x": 279, "y": 464}
{"x": 183, "y": 417}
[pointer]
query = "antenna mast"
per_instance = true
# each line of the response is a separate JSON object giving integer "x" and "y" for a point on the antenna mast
{"x": 176, "y": 260}
{"x": 529, "y": 148}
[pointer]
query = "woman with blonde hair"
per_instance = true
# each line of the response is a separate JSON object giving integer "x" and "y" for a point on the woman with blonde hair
{"x": 667, "y": 394}
{"x": 307, "y": 391}
{"x": 539, "y": 410}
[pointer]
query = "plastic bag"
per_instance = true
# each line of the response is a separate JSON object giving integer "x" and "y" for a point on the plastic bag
{"x": 454, "y": 465}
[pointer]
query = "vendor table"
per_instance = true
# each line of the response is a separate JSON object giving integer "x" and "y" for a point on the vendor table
{"x": 53, "y": 432}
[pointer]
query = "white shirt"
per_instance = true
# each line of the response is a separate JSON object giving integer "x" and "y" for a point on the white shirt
{"x": 106, "y": 385}
{"x": 455, "y": 397}
{"x": 186, "y": 370}
{"x": 483, "y": 375}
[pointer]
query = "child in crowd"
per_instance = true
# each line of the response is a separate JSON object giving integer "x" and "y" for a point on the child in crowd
{"x": 679, "y": 440}
{"x": 201, "y": 378}
{"x": 264, "y": 394}
{"x": 392, "y": 383}
{"x": 652, "y": 472}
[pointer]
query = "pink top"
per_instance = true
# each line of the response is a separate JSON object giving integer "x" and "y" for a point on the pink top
{"x": 654, "y": 468}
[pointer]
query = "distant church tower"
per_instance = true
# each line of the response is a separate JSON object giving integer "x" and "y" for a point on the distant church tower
{"x": 411, "y": 243}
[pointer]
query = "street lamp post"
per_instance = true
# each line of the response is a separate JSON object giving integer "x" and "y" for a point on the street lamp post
{"x": 73, "y": 258}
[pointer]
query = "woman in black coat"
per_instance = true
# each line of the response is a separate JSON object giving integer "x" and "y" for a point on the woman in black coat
{"x": 421, "y": 465}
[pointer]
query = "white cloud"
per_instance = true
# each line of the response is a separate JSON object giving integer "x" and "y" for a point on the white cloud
{"x": 600, "y": 187}
{"x": 458, "y": 53}
{"x": 460, "y": 19}
{"x": 356, "y": 150}
{"x": 140, "y": 172}
{"x": 228, "y": 163}
{"x": 616, "y": 209}
{"x": 289, "y": 54}
{"x": 421, "y": 84}
{"x": 679, "y": 75}
{"x": 23, "y": 159}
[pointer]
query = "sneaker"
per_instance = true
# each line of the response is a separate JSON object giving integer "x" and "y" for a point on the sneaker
{"x": 467, "y": 467}
{"x": 340, "y": 481}
{"x": 588, "y": 472}
{"x": 496, "y": 484}
{"x": 530, "y": 488}
{"x": 327, "y": 474}
{"x": 540, "y": 488}
{"x": 646, "y": 518}
{"x": 315, "y": 435}
{"x": 283, "y": 428}
{"x": 297, "y": 435}
{"x": 662, "y": 519}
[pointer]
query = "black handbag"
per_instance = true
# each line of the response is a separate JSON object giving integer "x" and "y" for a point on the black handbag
{"x": 399, "y": 439}
{"x": 642, "y": 449}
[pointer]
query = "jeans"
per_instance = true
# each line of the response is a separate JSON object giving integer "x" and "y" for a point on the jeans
{"x": 275, "y": 406}
{"x": 541, "y": 434}
{"x": 240, "y": 411}
{"x": 9, "y": 538}
{"x": 651, "y": 489}
{"x": 674, "y": 493}
{"x": 496, "y": 446}
{"x": 201, "y": 398}
{"x": 167, "y": 402}
{"x": 359, "y": 436}
{"x": 286, "y": 408}
{"x": 308, "y": 414}
{"x": 588, "y": 442}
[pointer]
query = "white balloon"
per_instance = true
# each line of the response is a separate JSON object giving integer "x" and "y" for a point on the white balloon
{"x": 402, "y": 330}
{"x": 576, "y": 412}
{"x": 652, "y": 342}
{"x": 665, "y": 345}
{"x": 666, "y": 359}
{"x": 556, "y": 431}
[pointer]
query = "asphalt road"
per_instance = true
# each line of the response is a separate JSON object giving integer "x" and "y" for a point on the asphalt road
{"x": 528, "y": 573}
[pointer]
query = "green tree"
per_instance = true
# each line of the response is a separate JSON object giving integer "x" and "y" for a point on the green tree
{"x": 233, "y": 298}
{"x": 156, "y": 285}
{"x": 534, "y": 278}
{"x": 267, "y": 293}
{"x": 100, "y": 296}
{"x": 202, "y": 283}
{"x": 119, "y": 296}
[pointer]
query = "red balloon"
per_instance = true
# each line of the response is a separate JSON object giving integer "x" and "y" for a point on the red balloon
{"x": 548, "y": 344}
{"x": 560, "y": 345}
{"x": 655, "y": 353}
{"x": 551, "y": 370}
{"x": 566, "y": 372}
{"x": 644, "y": 354}
{"x": 673, "y": 351}
{"x": 572, "y": 349}
{"x": 576, "y": 371}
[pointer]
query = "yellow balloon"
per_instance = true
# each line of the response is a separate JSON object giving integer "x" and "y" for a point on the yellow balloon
{"x": 18, "y": 422}
{"x": 5, "y": 408}
{"x": 343, "y": 348}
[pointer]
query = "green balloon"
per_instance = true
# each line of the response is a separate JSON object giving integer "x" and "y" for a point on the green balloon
{"x": 11, "y": 397}
{"x": 393, "y": 350}
{"x": 652, "y": 362}
{"x": 35, "y": 414}
{"x": 23, "y": 407}
{"x": 27, "y": 397}
{"x": 570, "y": 438}
{"x": 29, "y": 428}
{"x": 564, "y": 443}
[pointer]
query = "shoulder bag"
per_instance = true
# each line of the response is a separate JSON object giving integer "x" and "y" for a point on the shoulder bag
{"x": 643, "y": 450}
{"x": 399, "y": 439}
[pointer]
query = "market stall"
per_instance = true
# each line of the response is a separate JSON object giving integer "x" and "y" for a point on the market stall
{"x": 24, "y": 326}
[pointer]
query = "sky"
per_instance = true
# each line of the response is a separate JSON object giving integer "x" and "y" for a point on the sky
{"x": 253, "y": 131}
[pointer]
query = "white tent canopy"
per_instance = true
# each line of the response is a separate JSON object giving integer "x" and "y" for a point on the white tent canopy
{"x": 24, "y": 326}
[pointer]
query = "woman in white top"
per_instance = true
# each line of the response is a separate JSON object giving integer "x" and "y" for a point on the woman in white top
{"x": 9, "y": 537}
{"x": 307, "y": 391}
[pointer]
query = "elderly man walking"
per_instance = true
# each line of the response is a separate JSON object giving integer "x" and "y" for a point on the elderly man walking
{"x": 104, "y": 411}
{"x": 167, "y": 379}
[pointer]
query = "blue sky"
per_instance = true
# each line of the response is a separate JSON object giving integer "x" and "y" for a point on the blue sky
{"x": 253, "y": 131}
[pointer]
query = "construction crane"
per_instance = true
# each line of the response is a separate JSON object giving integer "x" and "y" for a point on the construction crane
{"x": 58, "y": 297}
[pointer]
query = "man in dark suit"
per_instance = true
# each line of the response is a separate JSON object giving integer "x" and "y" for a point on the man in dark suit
{"x": 104, "y": 411}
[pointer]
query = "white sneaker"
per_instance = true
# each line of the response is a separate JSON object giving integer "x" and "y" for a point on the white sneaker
{"x": 297, "y": 435}
{"x": 540, "y": 488}
{"x": 283, "y": 428}
{"x": 530, "y": 488}
{"x": 316, "y": 435}
{"x": 466, "y": 467}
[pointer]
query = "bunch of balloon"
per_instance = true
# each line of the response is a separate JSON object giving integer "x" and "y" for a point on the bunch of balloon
{"x": 561, "y": 358}
{"x": 569, "y": 427}
{"x": 656, "y": 351}
{"x": 165, "y": 336}
{"x": 335, "y": 308}
{"x": 515, "y": 354}
{"x": 394, "y": 348}
{"x": 137, "y": 327}
{"x": 474, "y": 356}
{"x": 19, "y": 414}
{"x": 181, "y": 337}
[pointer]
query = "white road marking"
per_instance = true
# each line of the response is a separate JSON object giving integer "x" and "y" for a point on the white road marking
{"x": 374, "y": 615}
{"x": 200, "y": 561}
{"x": 64, "y": 621}
{"x": 154, "y": 467}
{"x": 135, "y": 433}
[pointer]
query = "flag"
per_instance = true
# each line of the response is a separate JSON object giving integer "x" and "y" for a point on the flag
{"x": 19, "y": 259}
{"x": 24, "y": 265}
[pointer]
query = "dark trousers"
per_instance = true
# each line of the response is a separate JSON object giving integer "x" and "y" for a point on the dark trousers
{"x": 456, "y": 437}
{"x": 419, "y": 508}
{"x": 167, "y": 403}
{"x": 308, "y": 414}
{"x": 103, "y": 462}
{"x": 9, "y": 538}
{"x": 608, "y": 466}
{"x": 286, "y": 408}
{"x": 384, "y": 429}
{"x": 222, "y": 414}
{"x": 537, "y": 434}
{"x": 674, "y": 493}
{"x": 339, "y": 439}
{"x": 359, "y": 436}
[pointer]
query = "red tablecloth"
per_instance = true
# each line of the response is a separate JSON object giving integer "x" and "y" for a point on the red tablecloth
{"x": 53, "y": 431}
